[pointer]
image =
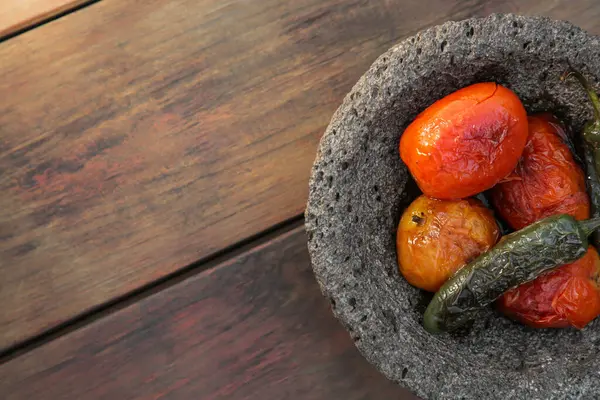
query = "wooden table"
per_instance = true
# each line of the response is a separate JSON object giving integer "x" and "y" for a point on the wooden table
{"x": 154, "y": 158}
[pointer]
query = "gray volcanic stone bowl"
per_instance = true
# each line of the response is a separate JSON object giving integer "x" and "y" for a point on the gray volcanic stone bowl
{"x": 359, "y": 187}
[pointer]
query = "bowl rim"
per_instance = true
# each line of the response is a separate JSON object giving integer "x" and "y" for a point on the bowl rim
{"x": 323, "y": 263}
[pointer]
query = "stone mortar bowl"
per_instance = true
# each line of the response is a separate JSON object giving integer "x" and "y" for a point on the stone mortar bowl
{"x": 359, "y": 187}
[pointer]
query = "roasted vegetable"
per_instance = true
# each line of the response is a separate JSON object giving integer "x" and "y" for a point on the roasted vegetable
{"x": 519, "y": 258}
{"x": 591, "y": 151}
{"x": 466, "y": 142}
{"x": 566, "y": 296}
{"x": 591, "y": 131}
{"x": 437, "y": 237}
{"x": 547, "y": 180}
{"x": 593, "y": 187}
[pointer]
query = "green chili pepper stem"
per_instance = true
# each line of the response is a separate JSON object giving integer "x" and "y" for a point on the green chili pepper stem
{"x": 590, "y": 91}
{"x": 589, "y": 226}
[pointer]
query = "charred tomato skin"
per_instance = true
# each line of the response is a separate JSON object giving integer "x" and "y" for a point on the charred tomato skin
{"x": 566, "y": 296}
{"x": 546, "y": 181}
{"x": 465, "y": 142}
{"x": 437, "y": 237}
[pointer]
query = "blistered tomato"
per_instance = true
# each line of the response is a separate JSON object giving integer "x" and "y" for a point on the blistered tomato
{"x": 437, "y": 237}
{"x": 546, "y": 181}
{"x": 566, "y": 296}
{"x": 466, "y": 142}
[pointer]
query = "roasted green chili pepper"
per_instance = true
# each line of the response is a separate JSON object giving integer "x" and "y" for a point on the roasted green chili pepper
{"x": 518, "y": 258}
{"x": 591, "y": 130}
{"x": 593, "y": 189}
{"x": 591, "y": 151}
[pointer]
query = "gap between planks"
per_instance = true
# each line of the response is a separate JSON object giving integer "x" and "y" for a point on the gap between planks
{"x": 36, "y": 21}
{"x": 198, "y": 267}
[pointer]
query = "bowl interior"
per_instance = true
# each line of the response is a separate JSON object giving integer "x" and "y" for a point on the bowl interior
{"x": 359, "y": 187}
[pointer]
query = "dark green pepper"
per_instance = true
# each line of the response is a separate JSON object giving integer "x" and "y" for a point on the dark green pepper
{"x": 591, "y": 150}
{"x": 591, "y": 130}
{"x": 518, "y": 258}
{"x": 593, "y": 189}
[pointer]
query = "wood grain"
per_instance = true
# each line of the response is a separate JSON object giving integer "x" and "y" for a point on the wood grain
{"x": 256, "y": 327}
{"x": 138, "y": 137}
{"x": 16, "y": 15}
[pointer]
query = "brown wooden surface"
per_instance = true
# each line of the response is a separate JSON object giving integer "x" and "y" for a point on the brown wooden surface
{"x": 16, "y": 15}
{"x": 138, "y": 137}
{"x": 256, "y": 327}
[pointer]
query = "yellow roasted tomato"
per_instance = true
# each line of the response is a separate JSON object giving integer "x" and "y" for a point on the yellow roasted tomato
{"x": 437, "y": 237}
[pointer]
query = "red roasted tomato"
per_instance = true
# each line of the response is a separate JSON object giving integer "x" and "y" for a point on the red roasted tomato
{"x": 437, "y": 237}
{"x": 566, "y": 296}
{"x": 547, "y": 180}
{"x": 466, "y": 142}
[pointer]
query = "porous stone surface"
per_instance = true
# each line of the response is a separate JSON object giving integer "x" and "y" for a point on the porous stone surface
{"x": 359, "y": 187}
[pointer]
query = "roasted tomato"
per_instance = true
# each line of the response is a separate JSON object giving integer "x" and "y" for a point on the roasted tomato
{"x": 466, "y": 142}
{"x": 437, "y": 237}
{"x": 566, "y": 296}
{"x": 546, "y": 181}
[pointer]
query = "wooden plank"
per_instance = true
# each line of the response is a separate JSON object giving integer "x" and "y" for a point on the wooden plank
{"x": 256, "y": 327}
{"x": 138, "y": 137}
{"x": 16, "y": 15}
